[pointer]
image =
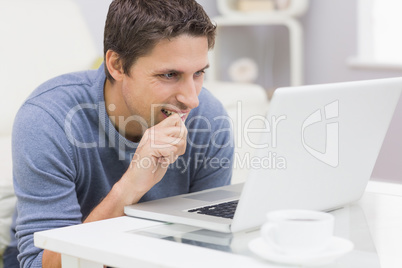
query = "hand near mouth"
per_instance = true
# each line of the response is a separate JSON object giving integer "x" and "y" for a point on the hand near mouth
{"x": 168, "y": 113}
{"x": 159, "y": 147}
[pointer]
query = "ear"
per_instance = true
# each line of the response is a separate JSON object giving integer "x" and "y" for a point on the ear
{"x": 114, "y": 65}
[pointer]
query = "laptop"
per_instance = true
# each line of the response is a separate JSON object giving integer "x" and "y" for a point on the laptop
{"x": 317, "y": 152}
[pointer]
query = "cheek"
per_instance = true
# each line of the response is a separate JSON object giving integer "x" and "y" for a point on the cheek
{"x": 160, "y": 92}
{"x": 156, "y": 89}
{"x": 135, "y": 90}
{"x": 129, "y": 96}
{"x": 198, "y": 86}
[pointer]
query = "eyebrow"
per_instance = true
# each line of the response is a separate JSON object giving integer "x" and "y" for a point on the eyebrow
{"x": 180, "y": 72}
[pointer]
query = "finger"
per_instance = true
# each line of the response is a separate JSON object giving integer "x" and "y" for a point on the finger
{"x": 173, "y": 120}
{"x": 168, "y": 159}
{"x": 168, "y": 150}
{"x": 166, "y": 133}
{"x": 179, "y": 131}
{"x": 167, "y": 141}
{"x": 174, "y": 131}
{"x": 172, "y": 136}
{"x": 183, "y": 130}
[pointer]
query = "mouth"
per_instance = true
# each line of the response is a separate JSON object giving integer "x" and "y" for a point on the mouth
{"x": 169, "y": 113}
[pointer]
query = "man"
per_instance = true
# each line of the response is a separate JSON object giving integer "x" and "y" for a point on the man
{"x": 139, "y": 128}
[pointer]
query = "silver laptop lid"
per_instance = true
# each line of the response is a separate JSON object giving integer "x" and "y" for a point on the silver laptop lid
{"x": 319, "y": 148}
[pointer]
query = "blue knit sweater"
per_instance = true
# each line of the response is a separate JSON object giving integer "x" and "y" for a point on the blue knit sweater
{"x": 67, "y": 155}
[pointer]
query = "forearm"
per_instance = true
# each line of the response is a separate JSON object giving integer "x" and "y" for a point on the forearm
{"x": 137, "y": 180}
{"x": 121, "y": 194}
{"x": 51, "y": 259}
{"x": 111, "y": 206}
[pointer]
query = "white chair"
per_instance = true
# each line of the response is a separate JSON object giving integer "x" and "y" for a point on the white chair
{"x": 39, "y": 40}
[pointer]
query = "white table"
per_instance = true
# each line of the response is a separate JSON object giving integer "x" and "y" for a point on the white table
{"x": 374, "y": 224}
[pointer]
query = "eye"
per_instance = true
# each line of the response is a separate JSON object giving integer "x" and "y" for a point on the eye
{"x": 199, "y": 73}
{"x": 169, "y": 75}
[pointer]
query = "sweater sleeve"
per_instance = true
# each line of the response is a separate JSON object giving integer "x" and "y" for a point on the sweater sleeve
{"x": 44, "y": 174}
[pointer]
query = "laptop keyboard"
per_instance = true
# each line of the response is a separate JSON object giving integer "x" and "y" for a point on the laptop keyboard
{"x": 224, "y": 210}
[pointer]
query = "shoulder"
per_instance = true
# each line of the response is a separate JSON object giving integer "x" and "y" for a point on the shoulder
{"x": 209, "y": 104}
{"x": 209, "y": 122}
{"x": 209, "y": 109}
{"x": 44, "y": 114}
{"x": 210, "y": 115}
{"x": 63, "y": 88}
{"x": 59, "y": 95}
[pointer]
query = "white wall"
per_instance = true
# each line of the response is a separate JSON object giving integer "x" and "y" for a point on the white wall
{"x": 95, "y": 12}
{"x": 330, "y": 39}
{"x": 330, "y": 32}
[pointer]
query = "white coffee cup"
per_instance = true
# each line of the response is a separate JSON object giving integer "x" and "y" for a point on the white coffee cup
{"x": 298, "y": 232}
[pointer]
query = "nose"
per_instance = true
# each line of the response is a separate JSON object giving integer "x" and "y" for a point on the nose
{"x": 188, "y": 94}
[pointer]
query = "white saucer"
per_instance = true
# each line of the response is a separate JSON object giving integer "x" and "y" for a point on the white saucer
{"x": 337, "y": 247}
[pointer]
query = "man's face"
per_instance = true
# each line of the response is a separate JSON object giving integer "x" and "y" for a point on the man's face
{"x": 166, "y": 81}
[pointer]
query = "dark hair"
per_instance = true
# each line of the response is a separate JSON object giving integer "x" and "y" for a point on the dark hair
{"x": 134, "y": 27}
